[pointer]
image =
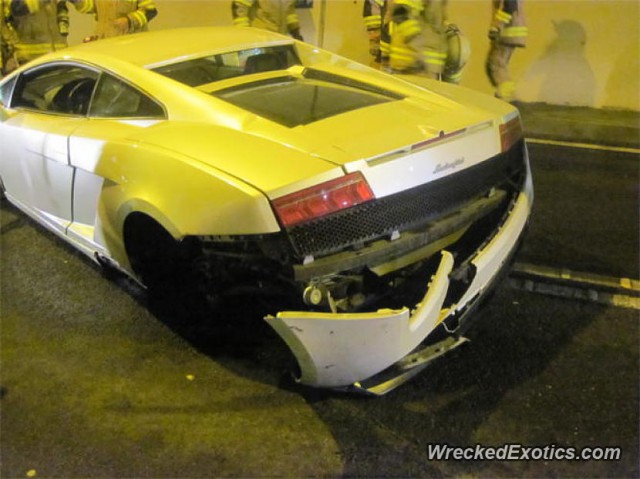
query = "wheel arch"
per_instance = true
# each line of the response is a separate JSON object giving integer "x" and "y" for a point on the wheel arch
{"x": 147, "y": 241}
{"x": 130, "y": 214}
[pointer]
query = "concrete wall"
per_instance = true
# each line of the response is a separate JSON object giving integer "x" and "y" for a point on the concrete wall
{"x": 580, "y": 52}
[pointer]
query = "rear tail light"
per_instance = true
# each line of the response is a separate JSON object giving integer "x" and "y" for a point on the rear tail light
{"x": 323, "y": 199}
{"x": 510, "y": 133}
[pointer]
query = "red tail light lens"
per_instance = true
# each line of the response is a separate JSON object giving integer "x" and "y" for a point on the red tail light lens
{"x": 322, "y": 199}
{"x": 510, "y": 133}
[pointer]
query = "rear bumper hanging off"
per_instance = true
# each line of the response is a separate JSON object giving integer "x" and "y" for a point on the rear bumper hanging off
{"x": 348, "y": 350}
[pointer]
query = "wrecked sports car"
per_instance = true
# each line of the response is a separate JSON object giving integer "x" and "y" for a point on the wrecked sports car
{"x": 376, "y": 210}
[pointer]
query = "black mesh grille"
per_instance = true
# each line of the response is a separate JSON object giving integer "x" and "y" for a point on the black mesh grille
{"x": 409, "y": 209}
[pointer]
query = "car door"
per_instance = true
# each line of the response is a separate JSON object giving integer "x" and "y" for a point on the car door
{"x": 118, "y": 111}
{"x": 47, "y": 104}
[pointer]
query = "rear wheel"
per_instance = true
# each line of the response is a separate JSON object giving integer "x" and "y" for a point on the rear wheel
{"x": 153, "y": 253}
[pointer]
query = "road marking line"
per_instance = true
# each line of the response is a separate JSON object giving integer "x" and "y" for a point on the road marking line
{"x": 619, "y": 292}
{"x": 625, "y": 301}
{"x": 588, "y": 146}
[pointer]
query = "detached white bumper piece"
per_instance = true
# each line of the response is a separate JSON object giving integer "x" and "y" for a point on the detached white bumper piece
{"x": 341, "y": 349}
{"x": 344, "y": 350}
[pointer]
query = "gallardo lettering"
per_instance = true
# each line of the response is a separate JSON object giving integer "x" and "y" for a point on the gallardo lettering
{"x": 440, "y": 167}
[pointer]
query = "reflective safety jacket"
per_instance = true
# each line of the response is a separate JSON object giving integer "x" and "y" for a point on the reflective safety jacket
{"x": 435, "y": 40}
{"x": 406, "y": 49}
{"x": 418, "y": 41}
{"x": 406, "y": 41}
{"x": 274, "y": 15}
{"x": 41, "y": 26}
{"x": 8, "y": 39}
{"x": 373, "y": 13}
{"x": 509, "y": 20}
{"x": 137, "y": 12}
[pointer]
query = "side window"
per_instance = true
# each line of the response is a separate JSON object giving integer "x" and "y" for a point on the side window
{"x": 116, "y": 99}
{"x": 57, "y": 89}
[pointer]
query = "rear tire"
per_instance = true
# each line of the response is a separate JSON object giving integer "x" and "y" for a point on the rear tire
{"x": 152, "y": 252}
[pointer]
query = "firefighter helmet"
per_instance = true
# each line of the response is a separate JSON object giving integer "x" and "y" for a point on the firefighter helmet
{"x": 459, "y": 50}
{"x": 458, "y": 53}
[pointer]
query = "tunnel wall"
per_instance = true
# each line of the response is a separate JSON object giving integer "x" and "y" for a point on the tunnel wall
{"x": 579, "y": 52}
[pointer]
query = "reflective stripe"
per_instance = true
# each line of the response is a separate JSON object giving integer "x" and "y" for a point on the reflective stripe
{"x": 402, "y": 51}
{"x": 373, "y": 22}
{"x": 241, "y": 21}
{"x": 453, "y": 77}
{"x": 402, "y": 58}
{"x": 38, "y": 48}
{"x": 399, "y": 53}
{"x": 431, "y": 53}
{"x": 138, "y": 19}
{"x": 503, "y": 16}
{"x": 515, "y": 32}
{"x": 506, "y": 90}
{"x": 408, "y": 28}
{"x": 434, "y": 58}
{"x": 517, "y": 29}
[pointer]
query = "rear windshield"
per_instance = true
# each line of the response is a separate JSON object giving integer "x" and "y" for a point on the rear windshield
{"x": 200, "y": 71}
{"x": 293, "y": 101}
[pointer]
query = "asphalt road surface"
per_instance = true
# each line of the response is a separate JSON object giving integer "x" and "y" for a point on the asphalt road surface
{"x": 97, "y": 383}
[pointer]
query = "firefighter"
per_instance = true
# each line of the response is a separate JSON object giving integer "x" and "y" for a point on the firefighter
{"x": 406, "y": 29}
{"x": 424, "y": 41}
{"x": 8, "y": 40}
{"x": 507, "y": 32}
{"x": 275, "y": 15}
{"x": 40, "y": 26}
{"x": 435, "y": 43}
{"x": 118, "y": 17}
{"x": 373, "y": 13}
{"x": 387, "y": 28}
{"x": 446, "y": 50}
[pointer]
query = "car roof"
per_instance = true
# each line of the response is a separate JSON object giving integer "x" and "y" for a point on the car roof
{"x": 165, "y": 46}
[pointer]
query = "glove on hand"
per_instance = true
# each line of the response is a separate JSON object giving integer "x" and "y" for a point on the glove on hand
{"x": 494, "y": 34}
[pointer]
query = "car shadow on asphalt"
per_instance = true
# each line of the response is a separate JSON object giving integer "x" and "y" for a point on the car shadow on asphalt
{"x": 233, "y": 333}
